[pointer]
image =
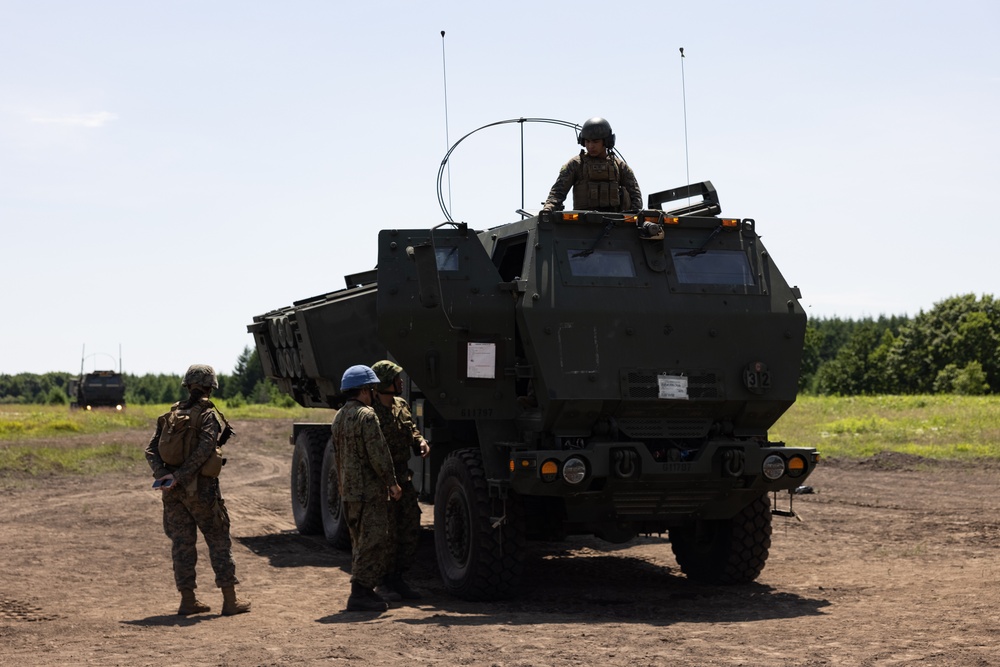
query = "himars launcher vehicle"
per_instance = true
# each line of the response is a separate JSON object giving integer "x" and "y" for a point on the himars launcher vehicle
{"x": 576, "y": 373}
{"x": 97, "y": 389}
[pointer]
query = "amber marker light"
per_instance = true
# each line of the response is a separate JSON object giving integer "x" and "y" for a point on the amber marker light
{"x": 570, "y": 217}
{"x": 671, "y": 221}
{"x": 730, "y": 223}
{"x": 634, "y": 219}
{"x": 796, "y": 466}
{"x": 550, "y": 470}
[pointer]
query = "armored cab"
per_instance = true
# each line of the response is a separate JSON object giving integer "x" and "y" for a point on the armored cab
{"x": 576, "y": 372}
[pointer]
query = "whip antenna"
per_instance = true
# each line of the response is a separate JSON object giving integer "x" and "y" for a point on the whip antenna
{"x": 687, "y": 164}
{"x": 447, "y": 139}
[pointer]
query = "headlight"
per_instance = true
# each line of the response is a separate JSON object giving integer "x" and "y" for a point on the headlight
{"x": 574, "y": 470}
{"x": 774, "y": 467}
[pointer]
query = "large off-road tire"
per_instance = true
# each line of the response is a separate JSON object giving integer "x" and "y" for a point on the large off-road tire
{"x": 331, "y": 507}
{"x": 728, "y": 551}
{"x": 307, "y": 462}
{"x": 477, "y": 561}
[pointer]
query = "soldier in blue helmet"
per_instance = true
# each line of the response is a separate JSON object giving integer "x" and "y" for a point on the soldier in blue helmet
{"x": 366, "y": 477}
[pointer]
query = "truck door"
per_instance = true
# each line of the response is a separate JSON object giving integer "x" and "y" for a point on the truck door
{"x": 445, "y": 316}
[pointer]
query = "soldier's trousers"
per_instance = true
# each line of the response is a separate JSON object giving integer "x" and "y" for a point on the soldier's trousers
{"x": 404, "y": 528}
{"x": 183, "y": 517}
{"x": 371, "y": 548}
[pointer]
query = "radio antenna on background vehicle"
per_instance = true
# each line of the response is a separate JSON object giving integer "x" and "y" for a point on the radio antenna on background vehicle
{"x": 687, "y": 164}
{"x": 447, "y": 139}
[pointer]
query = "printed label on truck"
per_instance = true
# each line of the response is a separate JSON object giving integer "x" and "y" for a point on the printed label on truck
{"x": 673, "y": 386}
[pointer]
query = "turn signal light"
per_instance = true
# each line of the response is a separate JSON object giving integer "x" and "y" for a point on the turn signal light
{"x": 550, "y": 470}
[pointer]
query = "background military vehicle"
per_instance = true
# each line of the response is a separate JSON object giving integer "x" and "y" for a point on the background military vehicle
{"x": 98, "y": 389}
{"x": 577, "y": 372}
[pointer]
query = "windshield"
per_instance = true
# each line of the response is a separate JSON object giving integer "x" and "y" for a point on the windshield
{"x": 712, "y": 267}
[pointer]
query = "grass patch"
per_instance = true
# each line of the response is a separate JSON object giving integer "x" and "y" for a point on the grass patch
{"x": 24, "y": 422}
{"x": 934, "y": 427}
{"x": 22, "y": 426}
{"x": 93, "y": 459}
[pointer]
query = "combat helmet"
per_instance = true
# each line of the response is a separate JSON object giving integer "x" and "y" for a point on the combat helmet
{"x": 597, "y": 128}
{"x": 201, "y": 375}
{"x": 386, "y": 372}
{"x": 358, "y": 376}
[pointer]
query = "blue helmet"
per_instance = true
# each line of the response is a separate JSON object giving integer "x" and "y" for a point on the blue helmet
{"x": 358, "y": 376}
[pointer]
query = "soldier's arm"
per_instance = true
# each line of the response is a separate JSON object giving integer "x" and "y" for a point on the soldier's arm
{"x": 631, "y": 185}
{"x": 565, "y": 180}
{"x": 153, "y": 452}
{"x": 208, "y": 436}
{"x": 406, "y": 419}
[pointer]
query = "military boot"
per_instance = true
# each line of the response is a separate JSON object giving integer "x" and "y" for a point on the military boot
{"x": 232, "y": 605}
{"x": 397, "y": 584}
{"x": 191, "y": 604}
{"x": 363, "y": 598}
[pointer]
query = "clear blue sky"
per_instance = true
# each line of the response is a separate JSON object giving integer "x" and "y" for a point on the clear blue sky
{"x": 168, "y": 170}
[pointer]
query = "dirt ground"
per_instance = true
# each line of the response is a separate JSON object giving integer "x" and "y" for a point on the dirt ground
{"x": 895, "y": 563}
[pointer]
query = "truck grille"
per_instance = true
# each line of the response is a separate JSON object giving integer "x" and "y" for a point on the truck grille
{"x": 645, "y": 429}
{"x": 658, "y": 503}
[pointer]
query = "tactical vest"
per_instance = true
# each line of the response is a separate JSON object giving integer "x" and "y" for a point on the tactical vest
{"x": 599, "y": 187}
{"x": 179, "y": 436}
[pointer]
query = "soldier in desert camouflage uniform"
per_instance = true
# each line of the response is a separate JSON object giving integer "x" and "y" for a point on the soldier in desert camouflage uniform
{"x": 366, "y": 479}
{"x": 402, "y": 436}
{"x": 193, "y": 501}
{"x": 600, "y": 180}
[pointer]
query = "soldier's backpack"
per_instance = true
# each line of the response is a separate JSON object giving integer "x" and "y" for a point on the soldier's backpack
{"x": 179, "y": 436}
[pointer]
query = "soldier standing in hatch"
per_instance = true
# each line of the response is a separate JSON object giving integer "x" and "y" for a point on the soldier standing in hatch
{"x": 365, "y": 474}
{"x": 600, "y": 180}
{"x": 193, "y": 502}
{"x": 402, "y": 437}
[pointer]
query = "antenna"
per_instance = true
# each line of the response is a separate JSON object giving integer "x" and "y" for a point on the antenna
{"x": 687, "y": 165}
{"x": 447, "y": 139}
{"x": 119, "y": 358}
{"x": 83, "y": 355}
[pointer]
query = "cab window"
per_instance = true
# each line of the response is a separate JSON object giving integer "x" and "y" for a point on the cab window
{"x": 712, "y": 267}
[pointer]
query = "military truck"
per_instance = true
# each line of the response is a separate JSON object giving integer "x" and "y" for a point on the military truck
{"x": 99, "y": 389}
{"x": 577, "y": 373}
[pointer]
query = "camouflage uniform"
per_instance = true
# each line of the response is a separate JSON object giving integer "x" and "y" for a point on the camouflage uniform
{"x": 365, "y": 473}
{"x": 402, "y": 437}
{"x": 597, "y": 185}
{"x": 195, "y": 502}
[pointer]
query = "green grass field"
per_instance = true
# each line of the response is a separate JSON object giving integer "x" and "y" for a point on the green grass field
{"x": 22, "y": 427}
{"x": 934, "y": 427}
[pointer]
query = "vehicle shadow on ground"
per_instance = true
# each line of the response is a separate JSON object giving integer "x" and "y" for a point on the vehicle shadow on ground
{"x": 290, "y": 549}
{"x": 578, "y": 581}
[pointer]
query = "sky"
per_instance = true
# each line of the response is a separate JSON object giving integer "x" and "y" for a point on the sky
{"x": 168, "y": 170}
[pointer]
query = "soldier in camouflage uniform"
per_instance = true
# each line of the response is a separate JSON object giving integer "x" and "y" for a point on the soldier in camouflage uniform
{"x": 402, "y": 436}
{"x": 601, "y": 181}
{"x": 193, "y": 502}
{"x": 366, "y": 478}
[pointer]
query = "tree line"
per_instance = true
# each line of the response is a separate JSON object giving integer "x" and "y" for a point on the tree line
{"x": 246, "y": 384}
{"x": 954, "y": 348}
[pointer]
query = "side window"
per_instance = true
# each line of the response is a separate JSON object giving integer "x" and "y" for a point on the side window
{"x": 447, "y": 258}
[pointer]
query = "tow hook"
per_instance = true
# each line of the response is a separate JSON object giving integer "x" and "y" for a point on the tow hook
{"x": 790, "y": 512}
